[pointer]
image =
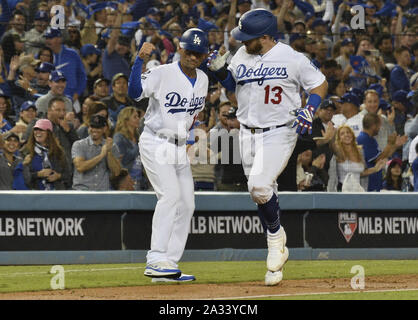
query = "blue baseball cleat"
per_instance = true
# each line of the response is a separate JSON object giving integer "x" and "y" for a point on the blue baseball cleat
{"x": 182, "y": 278}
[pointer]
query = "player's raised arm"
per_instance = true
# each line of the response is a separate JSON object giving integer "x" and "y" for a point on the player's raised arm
{"x": 217, "y": 64}
{"x": 134, "y": 84}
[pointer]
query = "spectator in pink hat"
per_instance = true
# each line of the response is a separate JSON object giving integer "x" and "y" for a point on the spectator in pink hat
{"x": 45, "y": 159}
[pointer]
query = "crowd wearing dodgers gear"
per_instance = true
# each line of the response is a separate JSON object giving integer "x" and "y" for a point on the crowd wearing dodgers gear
{"x": 267, "y": 78}
{"x": 176, "y": 93}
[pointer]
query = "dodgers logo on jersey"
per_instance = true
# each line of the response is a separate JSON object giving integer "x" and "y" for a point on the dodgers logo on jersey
{"x": 174, "y": 100}
{"x": 260, "y": 74}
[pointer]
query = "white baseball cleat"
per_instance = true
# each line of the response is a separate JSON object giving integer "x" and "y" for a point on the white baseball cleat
{"x": 277, "y": 250}
{"x": 273, "y": 278}
{"x": 183, "y": 278}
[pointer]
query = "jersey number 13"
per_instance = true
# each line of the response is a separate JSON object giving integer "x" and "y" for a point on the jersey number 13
{"x": 276, "y": 93}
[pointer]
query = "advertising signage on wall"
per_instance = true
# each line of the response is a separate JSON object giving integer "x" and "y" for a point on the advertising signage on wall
{"x": 215, "y": 230}
{"x": 362, "y": 229}
{"x": 21, "y": 231}
{"x": 118, "y": 230}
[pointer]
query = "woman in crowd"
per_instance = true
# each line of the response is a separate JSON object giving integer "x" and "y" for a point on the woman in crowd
{"x": 45, "y": 55}
{"x": 126, "y": 139}
{"x": 45, "y": 159}
{"x": 393, "y": 178}
{"x": 348, "y": 158}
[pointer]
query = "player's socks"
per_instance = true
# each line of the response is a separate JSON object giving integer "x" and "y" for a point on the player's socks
{"x": 269, "y": 213}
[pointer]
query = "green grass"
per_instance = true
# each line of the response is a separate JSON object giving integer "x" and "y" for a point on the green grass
{"x": 34, "y": 278}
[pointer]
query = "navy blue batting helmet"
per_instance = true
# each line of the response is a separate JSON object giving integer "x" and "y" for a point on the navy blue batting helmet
{"x": 254, "y": 24}
{"x": 195, "y": 40}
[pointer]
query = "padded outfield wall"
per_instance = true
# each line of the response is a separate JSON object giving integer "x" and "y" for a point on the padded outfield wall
{"x": 115, "y": 227}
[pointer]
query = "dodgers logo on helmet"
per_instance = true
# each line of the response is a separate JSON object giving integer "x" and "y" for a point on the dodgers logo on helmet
{"x": 195, "y": 40}
{"x": 254, "y": 24}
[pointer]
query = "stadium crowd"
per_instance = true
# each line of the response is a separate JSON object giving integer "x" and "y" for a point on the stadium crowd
{"x": 68, "y": 123}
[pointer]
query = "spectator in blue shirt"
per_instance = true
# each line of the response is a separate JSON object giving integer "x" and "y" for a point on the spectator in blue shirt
{"x": 116, "y": 56}
{"x": 5, "y": 16}
{"x": 371, "y": 151}
{"x": 69, "y": 63}
{"x": 399, "y": 76}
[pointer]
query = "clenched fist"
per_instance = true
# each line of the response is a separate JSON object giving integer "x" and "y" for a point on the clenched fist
{"x": 145, "y": 51}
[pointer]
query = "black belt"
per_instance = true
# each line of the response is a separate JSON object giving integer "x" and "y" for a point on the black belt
{"x": 173, "y": 140}
{"x": 253, "y": 130}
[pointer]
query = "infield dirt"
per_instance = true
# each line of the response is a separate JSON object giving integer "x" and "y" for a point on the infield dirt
{"x": 218, "y": 291}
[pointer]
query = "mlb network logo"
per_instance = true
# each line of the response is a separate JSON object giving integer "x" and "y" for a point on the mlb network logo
{"x": 347, "y": 223}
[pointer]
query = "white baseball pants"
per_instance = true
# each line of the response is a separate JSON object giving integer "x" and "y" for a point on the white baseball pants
{"x": 264, "y": 156}
{"x": 173, "y": 184}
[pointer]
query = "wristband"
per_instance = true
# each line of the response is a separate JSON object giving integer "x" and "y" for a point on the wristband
{"x": 222, "y": 73}
{"x": 314, "y": 100}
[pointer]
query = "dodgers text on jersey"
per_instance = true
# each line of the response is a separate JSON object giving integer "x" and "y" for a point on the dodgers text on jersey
{"x": 183, "y": 104}
{"x": 260, "y": 74}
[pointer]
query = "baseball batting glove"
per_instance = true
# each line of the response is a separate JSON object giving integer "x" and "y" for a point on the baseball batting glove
{"x": 303, "y": 122}
{"x": 217, "y": 62}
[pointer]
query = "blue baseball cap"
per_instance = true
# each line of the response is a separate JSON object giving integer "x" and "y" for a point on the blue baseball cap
{"x": 296, "y": 36}
{"x": 56, "y": 76}
{"x": 358, "y": 92}
{"x": 401, "y": 96}
{"x": 346, "y": 42}
{"x": 45, "y": 67}
{"x": 26, "y": 105}
{"x": 345, "y": 29}
{"x": 42, "y": 16}
{"x": 153, "y": 11}
{"x": 88, "y": 49}
{"x": 383, "y": 104}
{"x": 318, "y": 22}
{"x": 52, "y": 33}
{"x": 377, "y": 87}
{"x": 308, "y": 16}
{"x": 350, "y": 97}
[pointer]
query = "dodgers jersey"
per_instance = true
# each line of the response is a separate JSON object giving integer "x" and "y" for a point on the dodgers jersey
{"x": 268, "y": 86}
{"x": 355, "y": 122}
{"x": 173, "y": 101}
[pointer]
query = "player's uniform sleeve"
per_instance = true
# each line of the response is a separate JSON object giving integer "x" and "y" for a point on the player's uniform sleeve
{"x": 309, "y": 75}
{"x": 229, "y": 83}
{"x": 141, "y": 85}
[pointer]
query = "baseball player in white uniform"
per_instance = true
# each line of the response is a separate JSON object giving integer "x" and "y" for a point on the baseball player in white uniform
{"x": 176, "y": 93}
{"x": 267, "y": 77}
